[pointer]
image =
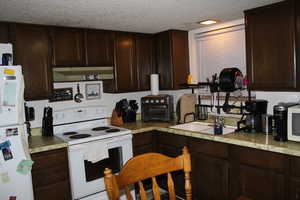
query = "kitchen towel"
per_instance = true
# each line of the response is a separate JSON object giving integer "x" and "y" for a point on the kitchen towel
{"x": 96, "y": 151}
{"x": 154, "y": 84}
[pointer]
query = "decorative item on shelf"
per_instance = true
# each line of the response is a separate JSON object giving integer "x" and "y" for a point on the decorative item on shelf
{"x": 93, "y": 91}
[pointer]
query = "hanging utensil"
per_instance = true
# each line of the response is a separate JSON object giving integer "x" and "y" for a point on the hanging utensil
{"x": 78, "y": 96}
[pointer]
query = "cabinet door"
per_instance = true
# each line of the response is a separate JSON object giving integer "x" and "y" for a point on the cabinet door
{"x": 270, "y": 50}
{"x": 143, "y": 143}
{"x": 164, "y": 63}
{"x": 180, "y": 57}
{"x": 209, "y": 177}
{"x": 67, "y": 45}
{"x": 171, "y": 145}
{"x": 99, "y": 48}
{"x": 125, "y": 63}
{"x": 50, "y": 175}
{"x": 144, "y": 57}
{"x": 256, "y": 183}
{"x": 31, "y": 50}
{"x": 3, "y": 32}
{"x": 294, "y": 189}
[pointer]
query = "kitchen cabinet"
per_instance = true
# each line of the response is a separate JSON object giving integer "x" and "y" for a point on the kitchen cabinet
{"x": 32, "y": 52}
{"x": 172, "y": 58}
{"x": 210, "y": 169}
{"x": 99, "y": 48}
{"x": 171, "y": 145}
{"x": 67, "y": 47}
{"x": 144, "y": 143}
{"x": 126, "y": 71}
{"x": 4, "y": 32}
{"x": 257, "y": 174}
{"x": 270, "y": 50}
{"x": 144, "y": 59}
{"x": 50, "y": 175}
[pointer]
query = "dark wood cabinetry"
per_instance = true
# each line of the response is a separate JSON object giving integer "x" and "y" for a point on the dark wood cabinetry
{"x": 211, "y": 175}
{"x": 3, "y": 32}
{"x": 257, "y": 174}
{"x": 126, "y": 71}
{"x": 172, "y": 55}
{"x": 50, "y": 175}
{"x": 144, "y": 59}
{"x": 270, "y": 50}
{"x": 144, "y": 143}
{"x": 225, "y": 171}
{"x": 67, "y": 46}
{"x": 99, "y": 49}
{"x": 31, "y": 50}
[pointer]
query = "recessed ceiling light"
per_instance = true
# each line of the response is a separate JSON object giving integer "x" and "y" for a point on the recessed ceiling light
{"x": 208, "y": 22}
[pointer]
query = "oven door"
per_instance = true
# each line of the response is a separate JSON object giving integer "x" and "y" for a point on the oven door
{"x": 86, "y": 177}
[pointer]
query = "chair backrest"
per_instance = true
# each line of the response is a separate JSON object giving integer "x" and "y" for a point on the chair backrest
{"x": 146, "y": 166}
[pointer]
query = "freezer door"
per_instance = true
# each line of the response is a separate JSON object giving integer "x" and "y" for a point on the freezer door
{"x": 12, "y": 182}
{"x": 11, "y": 95}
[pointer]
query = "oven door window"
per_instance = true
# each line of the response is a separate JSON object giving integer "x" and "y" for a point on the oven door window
{"x": 95, "y": 171}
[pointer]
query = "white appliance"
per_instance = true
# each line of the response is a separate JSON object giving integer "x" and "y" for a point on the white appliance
{"x": 293, "y": 123}
{"x": 93, "y": 145}
{"x": 13, "y": 139}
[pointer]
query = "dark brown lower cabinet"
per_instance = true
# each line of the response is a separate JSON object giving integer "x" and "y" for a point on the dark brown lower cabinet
{"x": 50, "y": 175}
{"x": 223, "y": 171}
{"x": 210, "y": 169}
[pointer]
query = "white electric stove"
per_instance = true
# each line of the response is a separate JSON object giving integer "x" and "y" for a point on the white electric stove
{"x": 86, "y": 130}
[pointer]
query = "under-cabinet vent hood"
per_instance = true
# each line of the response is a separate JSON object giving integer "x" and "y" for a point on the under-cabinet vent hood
{"x": 63, "y": 74}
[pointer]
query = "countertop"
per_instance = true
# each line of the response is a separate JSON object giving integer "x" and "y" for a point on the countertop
{"x": 252, "y": 140}
{"x": 38, "y": 143}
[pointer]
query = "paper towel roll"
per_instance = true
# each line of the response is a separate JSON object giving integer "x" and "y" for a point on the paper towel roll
{"x": 154, "y": 84}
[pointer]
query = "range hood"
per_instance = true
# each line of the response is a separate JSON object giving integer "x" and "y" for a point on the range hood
{"x": 65, "y": 74}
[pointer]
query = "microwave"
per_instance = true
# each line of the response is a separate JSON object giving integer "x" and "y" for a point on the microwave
{"x": 293, "y": 123}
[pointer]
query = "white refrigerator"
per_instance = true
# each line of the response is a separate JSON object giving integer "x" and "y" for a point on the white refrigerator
{"x": 15, "y": 161}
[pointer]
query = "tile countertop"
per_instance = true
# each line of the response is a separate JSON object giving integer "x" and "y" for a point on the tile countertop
{"x": 252, "y": 140}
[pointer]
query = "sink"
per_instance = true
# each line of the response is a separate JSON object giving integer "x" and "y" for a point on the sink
{"x": 202, "y": 127}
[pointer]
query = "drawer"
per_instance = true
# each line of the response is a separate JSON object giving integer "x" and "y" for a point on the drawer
{"x": 259, "y": 158}
{"x": 172, "y": 139}
{"x": 211, "y": 148}
{"x": 49, "y": 159}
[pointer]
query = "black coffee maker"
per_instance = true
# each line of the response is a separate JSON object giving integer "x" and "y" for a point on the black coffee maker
{"x": 252, "y": 120}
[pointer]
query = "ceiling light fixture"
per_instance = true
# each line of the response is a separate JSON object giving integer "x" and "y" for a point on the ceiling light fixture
{"x": 208, "y": 22}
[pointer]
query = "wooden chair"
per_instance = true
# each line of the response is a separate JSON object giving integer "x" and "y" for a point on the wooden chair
{"x": 146, "y": 166}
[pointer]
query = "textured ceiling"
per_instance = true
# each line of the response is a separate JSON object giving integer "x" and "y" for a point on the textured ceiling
{"x": 127, "y": 15}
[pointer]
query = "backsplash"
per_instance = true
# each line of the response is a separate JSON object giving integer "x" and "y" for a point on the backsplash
{"x": 107, "y": 99}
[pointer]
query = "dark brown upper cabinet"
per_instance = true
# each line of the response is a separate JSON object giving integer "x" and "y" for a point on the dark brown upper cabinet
{"x": 99, "y": 48}
{"x": 125, "y": 71}
{"x": 172, "y": 58}
{"x": 31, "y": 51}
{"x": 67, "y": 46}
{"x": 270, "y": 47}
{"x": 4, "y": 32}
{"x": 144, "y": 59}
